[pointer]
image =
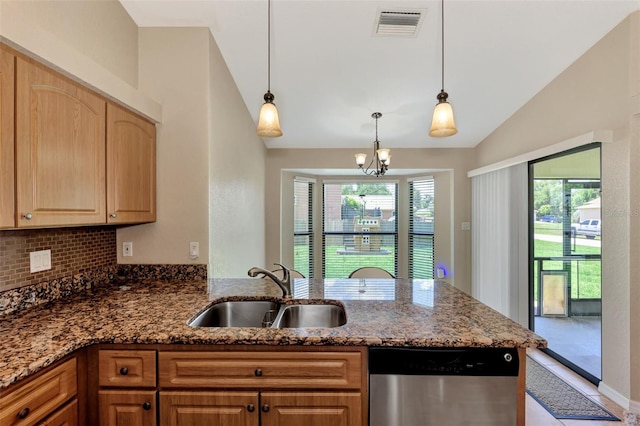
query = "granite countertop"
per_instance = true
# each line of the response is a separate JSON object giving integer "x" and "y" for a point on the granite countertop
{"x": 380, "y": 312}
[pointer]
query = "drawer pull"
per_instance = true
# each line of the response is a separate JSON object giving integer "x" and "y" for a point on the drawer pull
{"x": 258, "y": 372}
{"x": 251, "y": 408}
{"x": 22, "y": 414}
{"x": 27, "y": 216}
{"x": 146, "y": 406}
{"x": 113, "y": 215}
{"x": 265, "y": 408}
{"x": 124, "y": 371}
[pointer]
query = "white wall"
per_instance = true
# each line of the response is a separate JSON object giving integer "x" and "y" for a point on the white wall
{"x": 598, "y": 91}
{"x": 178, "y": 78}
{"x": 94, "y": 42}
{"x": 236, "y": 178}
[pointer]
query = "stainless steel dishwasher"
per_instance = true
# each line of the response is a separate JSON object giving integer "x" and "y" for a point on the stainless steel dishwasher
{"x": 448, "y": 386}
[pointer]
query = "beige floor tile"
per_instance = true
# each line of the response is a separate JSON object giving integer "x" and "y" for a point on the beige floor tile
{"x": 537, "y": 415}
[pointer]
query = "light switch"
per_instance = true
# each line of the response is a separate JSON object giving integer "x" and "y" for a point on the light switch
{"x": 39, "y": 261}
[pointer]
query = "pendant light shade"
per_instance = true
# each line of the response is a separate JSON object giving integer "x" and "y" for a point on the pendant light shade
{"x": 268, "y": 121}
{"x": 443, "y": 124}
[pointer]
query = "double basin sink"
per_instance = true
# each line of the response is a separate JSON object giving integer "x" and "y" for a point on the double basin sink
{"x": 265, "y": 313}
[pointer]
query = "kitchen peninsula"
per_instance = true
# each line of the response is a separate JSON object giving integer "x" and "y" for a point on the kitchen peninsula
{"x": 154, "y": 315}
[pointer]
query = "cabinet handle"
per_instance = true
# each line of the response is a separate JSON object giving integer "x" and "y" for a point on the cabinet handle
{"x": 124, "y": 371}
{"x": 27, "y": 216}
{"x": 251, "y": 408}
{"x": 113, "y": 215}
{"x": 146, "y": 406}
{"x": 265, "y": 408}
{"x": 22, "y": 414}
{"x": 258, "y": 372}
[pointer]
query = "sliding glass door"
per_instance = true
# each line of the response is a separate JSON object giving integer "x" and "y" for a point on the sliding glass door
{"x": 565, "y": 268}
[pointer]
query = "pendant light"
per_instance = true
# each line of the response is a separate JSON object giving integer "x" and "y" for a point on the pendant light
{"x": 442, "y": 124}
{"x": 381, "y": 157}
{"x": 268, "y": 122}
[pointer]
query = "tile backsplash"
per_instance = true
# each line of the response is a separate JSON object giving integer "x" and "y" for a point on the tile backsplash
{"x": 74, "y": 251}
{"x": 81, "y": 259}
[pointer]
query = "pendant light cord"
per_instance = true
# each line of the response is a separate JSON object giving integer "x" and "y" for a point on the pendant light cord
{"x": 269, "y": 46}
{"x": 442, "y": 29}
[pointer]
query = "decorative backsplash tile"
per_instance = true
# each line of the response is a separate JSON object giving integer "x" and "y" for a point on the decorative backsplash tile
{"x": 73, "y": 251}
{"x": 81, "y": 259}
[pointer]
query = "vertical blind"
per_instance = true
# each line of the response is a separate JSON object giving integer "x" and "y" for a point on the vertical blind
{"x": 303, "y": 227}
{"x": 421, "y": 227}
{"x": 499, "y": 248}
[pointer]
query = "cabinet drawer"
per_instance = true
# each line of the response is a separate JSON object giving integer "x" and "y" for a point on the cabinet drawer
{"x": 308, "y": 370}
{"x": 127, "y": 368}
{"x": 41, "y": 396}
{"x": 67, "y": 416}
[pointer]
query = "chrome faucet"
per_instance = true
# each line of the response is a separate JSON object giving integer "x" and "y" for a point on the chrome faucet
{"x": 284, "y": 283}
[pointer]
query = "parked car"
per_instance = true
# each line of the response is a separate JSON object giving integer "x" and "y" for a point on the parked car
{"x": 550, "y": 218}
{"x": 590, "y": 228}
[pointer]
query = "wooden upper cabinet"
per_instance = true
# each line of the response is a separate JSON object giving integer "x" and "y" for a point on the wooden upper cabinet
{"x": 131, "y": 167}
{"x": 60, "y": 150}
{"x": 7, "y": 92}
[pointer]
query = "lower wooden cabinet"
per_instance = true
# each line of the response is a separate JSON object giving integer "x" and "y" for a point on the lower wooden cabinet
{"x": 243, "y": 386}
{"x": 189, "y": 408}
{"x": 32, "y": 402}
{"x": 310, "y": 408}
{"x": 209, "y": 408}
{"x": 66, "y": 416}
{"x": 127, "y": 407}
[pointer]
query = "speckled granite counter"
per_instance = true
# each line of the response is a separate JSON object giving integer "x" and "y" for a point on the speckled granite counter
{"x": 379, "y": 312}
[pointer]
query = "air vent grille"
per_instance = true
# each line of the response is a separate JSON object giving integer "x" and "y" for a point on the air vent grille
{"x": 395, "y": 22}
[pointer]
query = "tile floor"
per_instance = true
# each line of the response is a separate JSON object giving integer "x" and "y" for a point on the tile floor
{"x": 536, "y": 415}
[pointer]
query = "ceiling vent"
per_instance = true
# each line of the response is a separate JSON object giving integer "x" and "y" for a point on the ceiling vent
{"x": 398, "y": 22}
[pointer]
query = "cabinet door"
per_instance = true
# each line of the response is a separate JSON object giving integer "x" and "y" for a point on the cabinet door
{"x": 127, "y": 408}
{"x": 7, "y": 197}
{"x": 28, "y": 404}
{"x": 310, "y": 408}
{"x": 209, "y": 408}
{"x": 67, "y": 416}
{"x": 131, "y": 167}
{"x": 60, "y": 150}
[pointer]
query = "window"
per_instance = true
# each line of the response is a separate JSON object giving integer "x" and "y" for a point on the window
{"x": 421, "y": 227}
{"x": 303, "y": 226}
{"x": 359, "y": 227}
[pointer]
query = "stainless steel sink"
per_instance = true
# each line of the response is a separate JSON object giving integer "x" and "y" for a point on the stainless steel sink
{"x": 236, "y": 313}
{"x": 264, "y": 313}
{"x": 300, "y": 316}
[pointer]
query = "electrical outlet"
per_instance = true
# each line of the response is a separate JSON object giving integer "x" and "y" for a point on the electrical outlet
{"x": 39, "y": 261}
{"x": 127, "y": 249}
{"x": 194, "y": 250}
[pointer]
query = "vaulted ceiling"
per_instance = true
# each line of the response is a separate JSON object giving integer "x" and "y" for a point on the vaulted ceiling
{"x": 330, "y": 70}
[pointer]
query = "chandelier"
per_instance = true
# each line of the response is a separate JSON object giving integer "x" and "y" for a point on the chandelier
{"x": 381, "y": 157}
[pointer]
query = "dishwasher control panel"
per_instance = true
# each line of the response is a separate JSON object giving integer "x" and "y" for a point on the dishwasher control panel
{"x": 444, "y": 361}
